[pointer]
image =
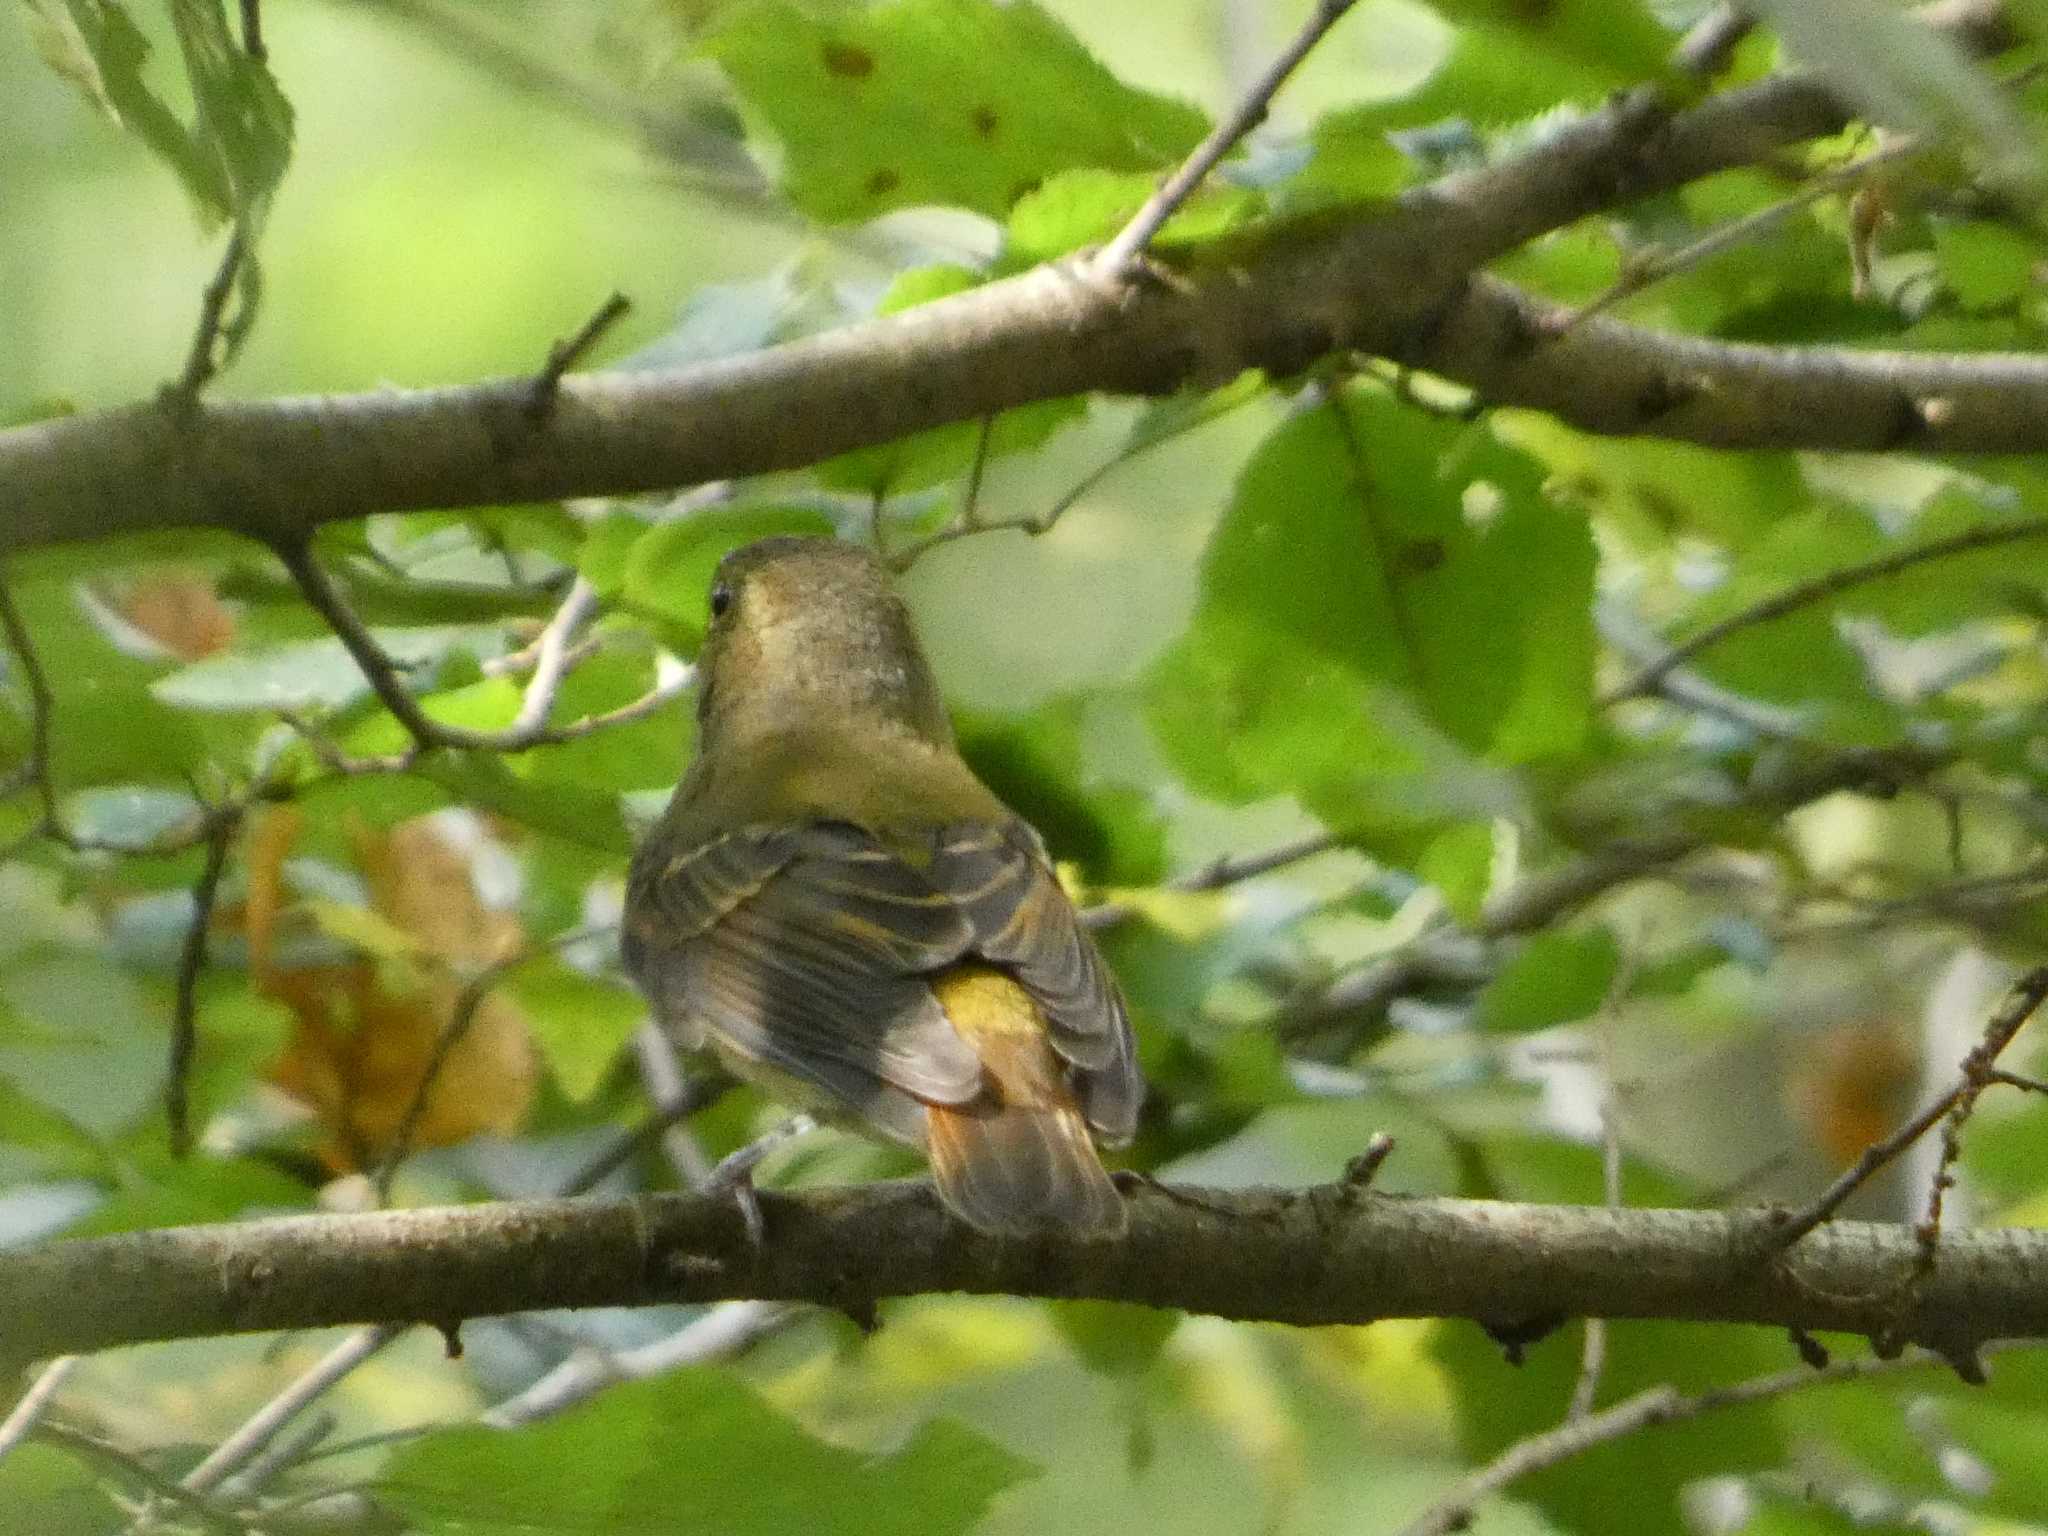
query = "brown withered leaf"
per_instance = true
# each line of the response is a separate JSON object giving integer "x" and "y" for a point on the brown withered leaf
{"x": 180, "y": 610}
{"x": 366, "y": 1029}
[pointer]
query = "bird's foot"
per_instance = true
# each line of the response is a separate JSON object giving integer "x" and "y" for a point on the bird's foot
{"x": 734, "y": 1173}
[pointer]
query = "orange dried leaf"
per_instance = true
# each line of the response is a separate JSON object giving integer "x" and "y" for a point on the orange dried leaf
{"x": 367, "y": 1032}
{"x": 181, "y": 611}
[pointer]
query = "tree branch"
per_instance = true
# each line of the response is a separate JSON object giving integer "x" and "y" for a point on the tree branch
{"x": 1330, "y": 1254}
{"x": 1393, "y": 281}
{"x": 1117, "y": 258}
{"x": 1830, "y": 584}
{"x": 1647, "y": 1409}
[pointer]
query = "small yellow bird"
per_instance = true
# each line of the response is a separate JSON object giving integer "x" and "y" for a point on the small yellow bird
{"x": 835, "y": 905}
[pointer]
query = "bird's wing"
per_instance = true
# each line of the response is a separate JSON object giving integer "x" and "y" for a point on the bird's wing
{"x": 999, "y": 878}
{"x": 805, "y": 948}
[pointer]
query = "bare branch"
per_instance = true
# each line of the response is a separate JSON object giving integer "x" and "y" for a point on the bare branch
{"x": 726, "y": 1330}
{"x": 252, "y": 31}
{"x": 565, "y": 354}
{"x": 21, "y": 1418}
{"x": 35, "y": 768}
{"x": 1705, "y": 50}
{"x": 222, "y": 826}
{"x": 1654, "y": 267}
{"x": 202, "y": 360}
{"x": 1656, "y": 1405}
{"x": 1117, "y": 258}
{"x": 528, "y": 729}
{"x": 1222, "y": 873}
{"x": 263, "y": 1426}
{"x": 1394, "y": 282}
{"x": 2025, "y": 996}
{"x": 1444, "y": 953}
{"x": 1819, "y": 590}
{"x": 1329, "y": 1254}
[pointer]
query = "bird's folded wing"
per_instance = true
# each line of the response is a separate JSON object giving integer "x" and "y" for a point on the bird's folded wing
{"x": 805, "y": 948}
{"x": 1000, "y": 879}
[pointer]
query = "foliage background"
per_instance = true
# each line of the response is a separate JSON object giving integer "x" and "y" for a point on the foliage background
{"x": 1222, "y": 646}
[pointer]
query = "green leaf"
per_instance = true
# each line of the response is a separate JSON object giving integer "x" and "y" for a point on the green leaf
{"x": 579, "y": 1022}
{"x": 1986, "y": 264}
{"x": 562, "y": 809}
{"x": 1087, "y": 206}
{"x": 1459, "y": 863}
{"x": 1114, "y": 1338}
{"x": 1616, "y": 1486}
{"x": 242, "y": 120}
{"x": 1388, "y": 600}
{"x": 50, "y": 1491}
{"x": 62, "y": 1146}
{"x": 314, "y": 673}
{"x": 1507, "y": 63}
{"x": 692, "y": 1452}
{"x": 93, "y": 44}
{"x": 1553, "y": 979}
{"x": 1034, "y": 764}
{"x": 952, "y": 102}
{"x": 1908, "y": 77}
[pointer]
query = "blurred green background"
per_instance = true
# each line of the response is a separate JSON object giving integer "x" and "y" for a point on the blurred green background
{"x": 468, "y": 183}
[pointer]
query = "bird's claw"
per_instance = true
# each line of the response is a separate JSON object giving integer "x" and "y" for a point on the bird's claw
{"x": 733, "y": 1174}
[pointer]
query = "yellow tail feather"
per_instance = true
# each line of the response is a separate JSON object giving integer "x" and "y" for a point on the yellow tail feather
{"x": 1019, "y": 1159}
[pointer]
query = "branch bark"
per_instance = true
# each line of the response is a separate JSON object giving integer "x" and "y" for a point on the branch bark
{"x": 1390, "y": 280}
{"x": 1331, "y": 1254}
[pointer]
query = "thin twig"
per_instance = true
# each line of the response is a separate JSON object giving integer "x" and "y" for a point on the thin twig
{"x": 1041, "y": 523}
{"x": 377, "y": 667}
{"x": 452, "y": 1034}
{"x": 2018, "y": 1080}
{"x": 252, "y": 31}
{"x": 565, "y": 354}
{"x": 41, "y": 703}
{"x": 222, "y": 826}
{"x": 280, "y": 1456}
{"x": 1593, "y": 1351}
{"x": 670, "y": 1091}
{"x": 1221, "y": 873}
{"x": 1819, "y": 589}
{"x": 551, "y": 660}
{"x": 699, "y": 1092}
{"x": 262, "y": 1426}
{"x": 529, "y": 728}
{"x": 200, "y": 361}
{"x": 1651, "y": 268}
{"x": 1979, "y": 1071}
{"x": 460, "y": 1019}
{"x": 2021, "y": 1000}
{"x": 724, "y": 1331}
{"x": 35, "y": 1401}
{"x": 1705, "y": 50}
{"x": 135, "y": 1470}
{"x": 1116, "y": 259}
{"x": 1657, "y": 1405}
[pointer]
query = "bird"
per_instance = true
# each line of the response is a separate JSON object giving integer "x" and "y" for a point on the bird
{"x": 837, "y": 908}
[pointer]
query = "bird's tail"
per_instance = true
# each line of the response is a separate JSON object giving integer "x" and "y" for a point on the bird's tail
{"x": 1019, "y": 1159}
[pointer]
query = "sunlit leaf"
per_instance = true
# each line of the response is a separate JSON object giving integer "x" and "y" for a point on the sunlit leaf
{"x": 936, "y": 101}
{"x": 693, "y": 1451}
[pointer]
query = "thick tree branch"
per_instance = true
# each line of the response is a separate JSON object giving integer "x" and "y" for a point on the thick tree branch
{"x": 1332, "y": 1254}
{"x": 1392, "y": 281}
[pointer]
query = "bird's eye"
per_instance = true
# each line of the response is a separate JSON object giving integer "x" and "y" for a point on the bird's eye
{"x": 721, "y": 599}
